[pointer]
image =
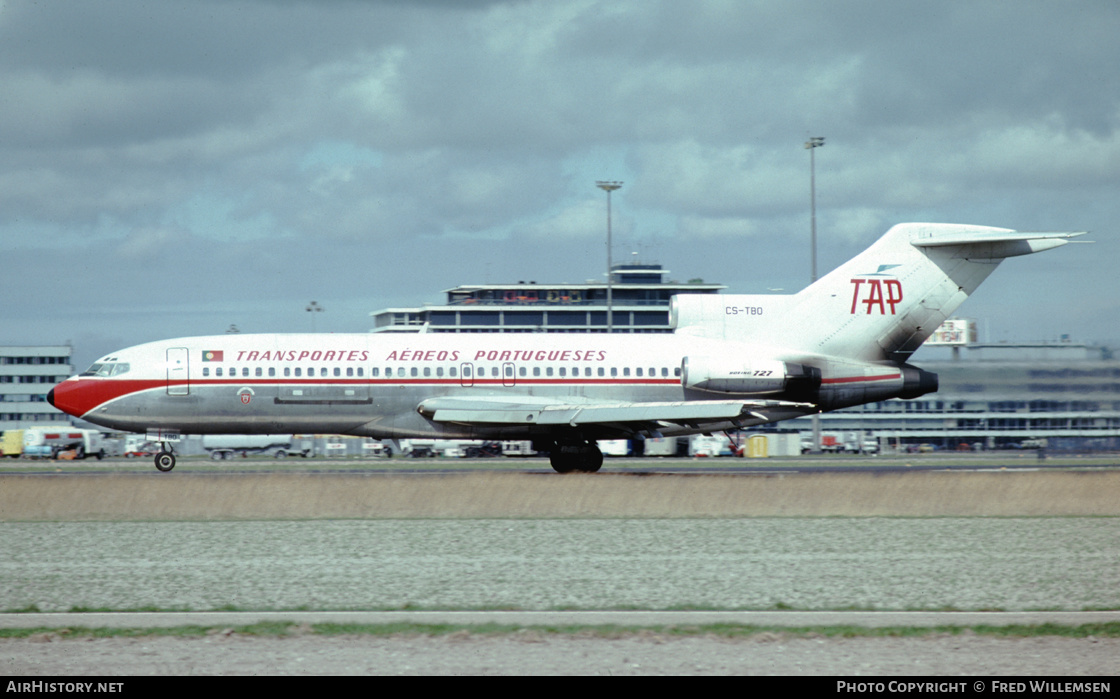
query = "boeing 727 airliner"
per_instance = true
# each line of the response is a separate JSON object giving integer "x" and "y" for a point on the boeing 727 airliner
{"x": 733, "y": 361}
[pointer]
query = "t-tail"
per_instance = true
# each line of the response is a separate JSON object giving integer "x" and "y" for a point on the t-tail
{"x": 880, "y": 306}
{"x": 852, "y": 331}
{"x": 885, "y": 302}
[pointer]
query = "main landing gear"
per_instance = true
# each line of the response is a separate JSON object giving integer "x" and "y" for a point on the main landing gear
{"x": 165, "y": 460}
{"x": 583, "y": 457}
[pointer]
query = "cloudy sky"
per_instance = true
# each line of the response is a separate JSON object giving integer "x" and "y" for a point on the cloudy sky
{"x": 172, "y": 168}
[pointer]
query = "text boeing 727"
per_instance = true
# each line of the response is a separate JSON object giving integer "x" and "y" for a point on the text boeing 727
{"x": 733, "y": 361}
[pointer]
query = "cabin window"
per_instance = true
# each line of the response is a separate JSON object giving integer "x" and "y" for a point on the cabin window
{"x": 439, "y": 372}
{"x": 548, "y": 371}
{"x": 563, "y": 371}
{"x": 415, "y": 371}
{"x": 299, "y": 372}
{"x": 427, "y": 371}
{"x": 287, "y": 371}
{"x": 272, "y": 371}
{"x": 361, "y": 372}
{"x": 494, "y": 372}
{"x": 322, "y": 372}
{"x": 536, "y": 371}
{"x": 677, "y": 371}
{"x": 375, "y": 372}
{"x": 338, "y": 371}
{"x": 205, "y": 371}
{"x": 614, "y": 371}
{"x": 349, "y": 371}
{"x": 664, "y": 371}
{"x": 522, "y": 371}
{"x": 626, "y": 371}
{"x": 260, "y": 371}
{"x": 245, "y": 371}
{"x": 218, "y": 371}
{"x": 602, "y": 371}
{"x": 453, "y": 371}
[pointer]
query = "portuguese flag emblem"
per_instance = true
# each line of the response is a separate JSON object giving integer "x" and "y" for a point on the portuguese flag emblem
{"x": 212, "y": 355}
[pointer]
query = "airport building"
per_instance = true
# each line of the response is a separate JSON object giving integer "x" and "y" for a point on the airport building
{"x": 26, "y": 375}
{"x": 1060, "y": 395}
{"x": 640, "y": 297}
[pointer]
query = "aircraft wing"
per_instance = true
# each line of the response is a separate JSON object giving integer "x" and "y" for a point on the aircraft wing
{"x": 633, "y": 417}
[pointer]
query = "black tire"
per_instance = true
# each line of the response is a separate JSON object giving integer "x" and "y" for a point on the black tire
{"x": 561, "y": 462}
{"x": 165, "y": 461}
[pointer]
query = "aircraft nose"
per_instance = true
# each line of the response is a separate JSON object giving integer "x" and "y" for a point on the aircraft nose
{"x": 50, "y": 397}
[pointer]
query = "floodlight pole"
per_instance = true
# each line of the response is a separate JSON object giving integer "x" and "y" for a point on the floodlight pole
{"x": 608, "y": 187}
{"x": 812, "y": 145}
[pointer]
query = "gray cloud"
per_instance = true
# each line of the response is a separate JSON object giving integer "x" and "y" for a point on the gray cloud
{"x": 194, "y": 165}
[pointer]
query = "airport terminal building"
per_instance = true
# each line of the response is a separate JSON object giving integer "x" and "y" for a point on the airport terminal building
{"x": 27, "y": 373}
{"x": 640, "y": 304}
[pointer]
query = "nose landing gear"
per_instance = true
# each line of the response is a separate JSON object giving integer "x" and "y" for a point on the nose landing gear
{"x": 165, "y": 459}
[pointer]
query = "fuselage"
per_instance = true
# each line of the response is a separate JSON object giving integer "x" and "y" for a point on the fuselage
{"x": 371, "y": 385}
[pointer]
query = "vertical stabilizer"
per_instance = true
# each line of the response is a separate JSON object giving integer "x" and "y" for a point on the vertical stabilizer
{"x": 885, "y": 302}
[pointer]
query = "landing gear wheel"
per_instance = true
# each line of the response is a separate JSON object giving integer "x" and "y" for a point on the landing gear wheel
{"x": 561, "y": 463}
{"x": 592, "y": 459}
{"x": 582, "y": 458}
{"x": 165, "y": 461}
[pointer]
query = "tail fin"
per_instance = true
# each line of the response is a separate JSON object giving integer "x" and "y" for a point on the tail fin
{"x": 885, "y": 302}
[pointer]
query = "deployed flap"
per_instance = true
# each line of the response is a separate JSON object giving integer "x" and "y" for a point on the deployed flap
{"x": 491, "y": 411}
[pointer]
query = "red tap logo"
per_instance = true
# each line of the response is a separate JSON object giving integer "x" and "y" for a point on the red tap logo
{"x": 876, "y": 295}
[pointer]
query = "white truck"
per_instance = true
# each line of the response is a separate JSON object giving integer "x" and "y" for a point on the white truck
{"x": 279, "y": 446}
{"x": 61, "y": 442}
{"x": 850, "y": 442}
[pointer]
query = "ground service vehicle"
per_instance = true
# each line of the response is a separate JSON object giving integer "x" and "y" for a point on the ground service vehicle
{"x": 54, "y": 442}
{"x": 11, "y": 443}
{"x": 228, "y": 446}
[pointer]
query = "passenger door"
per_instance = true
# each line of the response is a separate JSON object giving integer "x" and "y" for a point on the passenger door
{"x": 178, "y": 381}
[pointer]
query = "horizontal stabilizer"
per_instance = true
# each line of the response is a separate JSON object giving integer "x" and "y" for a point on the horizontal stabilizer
{"x": 997, "y": 243}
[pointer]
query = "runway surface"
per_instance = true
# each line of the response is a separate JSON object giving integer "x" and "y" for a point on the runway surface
{"x": 560, "y": 619}
{"x": 533, "y": 564}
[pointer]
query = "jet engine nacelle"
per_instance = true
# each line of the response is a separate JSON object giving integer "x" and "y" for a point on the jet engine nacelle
{"x": 751, "y": 377}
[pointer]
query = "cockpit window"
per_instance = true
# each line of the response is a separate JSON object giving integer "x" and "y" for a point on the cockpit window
{"x": 107, "y": 369}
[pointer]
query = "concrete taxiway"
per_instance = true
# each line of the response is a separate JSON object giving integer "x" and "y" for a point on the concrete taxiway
{"x": 643, "y": 619}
